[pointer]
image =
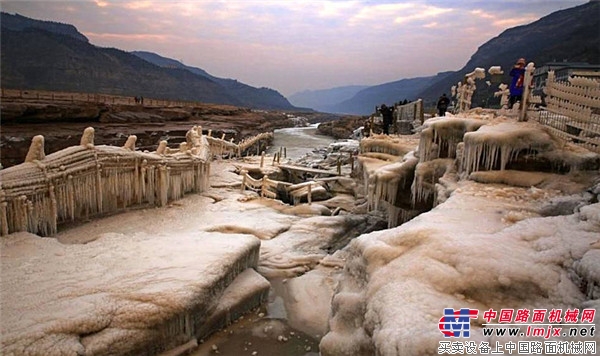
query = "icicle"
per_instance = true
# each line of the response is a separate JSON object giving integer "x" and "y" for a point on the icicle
{"x": 163, "y": 185}
{"x": 4, "y": 218}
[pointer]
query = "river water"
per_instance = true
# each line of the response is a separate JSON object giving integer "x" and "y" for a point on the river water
{"x": 298, "y": 141}
{"x": 265, "y": 331}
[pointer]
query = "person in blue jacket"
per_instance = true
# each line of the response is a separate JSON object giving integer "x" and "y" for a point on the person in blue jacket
{"x": 516, "y": 84}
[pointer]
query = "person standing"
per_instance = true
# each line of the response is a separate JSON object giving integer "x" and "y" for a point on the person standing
{"x": 442, "y": 105}
{"x": 516, "y": 83}
{"x": 388, "y": 117}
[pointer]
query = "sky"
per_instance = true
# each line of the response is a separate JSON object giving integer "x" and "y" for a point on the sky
{"x": 295, "y": 45}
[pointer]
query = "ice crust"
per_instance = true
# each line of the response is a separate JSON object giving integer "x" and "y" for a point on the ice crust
{"x": 466, "y": 253}
{"x": 484, "y": 245}
{"x": 114, "y": 294}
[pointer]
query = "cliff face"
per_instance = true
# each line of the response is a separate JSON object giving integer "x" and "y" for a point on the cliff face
{"x": 62, "y": 124}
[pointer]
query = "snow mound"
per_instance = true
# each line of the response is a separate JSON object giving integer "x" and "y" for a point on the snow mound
{"x": 120, "y": 294}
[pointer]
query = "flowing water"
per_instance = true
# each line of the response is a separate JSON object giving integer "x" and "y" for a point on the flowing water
{"x": 265, "y": 331}
{"x": 298, "y": 141}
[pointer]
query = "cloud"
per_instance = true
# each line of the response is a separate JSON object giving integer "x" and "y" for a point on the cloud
{"x": 292, "y": 45}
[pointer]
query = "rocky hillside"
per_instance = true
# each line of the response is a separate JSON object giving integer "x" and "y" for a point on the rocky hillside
{"x": 50, "y": 56}
{"x": 572, "y": 35}
{"x": 246, "y": 94}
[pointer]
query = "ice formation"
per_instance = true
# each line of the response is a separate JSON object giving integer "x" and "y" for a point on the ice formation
{"x": 484, "y": 245}
{"x": 501, "y": 143}
{"x": 398, "y": 282}
{"x": 120, "y": 294}
{"x": 87, "y": 180}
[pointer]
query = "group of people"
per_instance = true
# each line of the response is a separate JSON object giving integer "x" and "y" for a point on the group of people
{"x": 139, "y": 100}
{"x": 516, "y": 95}
{"x": 517, "y": 74}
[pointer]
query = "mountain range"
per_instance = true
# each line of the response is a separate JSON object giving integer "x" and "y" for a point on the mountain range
{"x": 46, "y": 55}
{"x": 52, "y": 56}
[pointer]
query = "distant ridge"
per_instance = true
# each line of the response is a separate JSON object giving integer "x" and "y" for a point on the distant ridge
{"x": 246, "y": 94}
{"x": 47, "y": 55}
{"x": 324, "y": 99}
{"x": 364, "y": 102}
{"x": 17, "y": 22}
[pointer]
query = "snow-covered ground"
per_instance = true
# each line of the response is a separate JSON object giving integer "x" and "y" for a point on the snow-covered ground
{"x": 148, "y": 280}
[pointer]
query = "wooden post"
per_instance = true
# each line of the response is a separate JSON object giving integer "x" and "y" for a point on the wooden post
{"x": 274, "y": 159}
{"x": 263, "y": 186}
{"x": 526, "y": 85}
{"x": 244, "y": 177}
{"x": 309, "y": 195}
{"x": 262, "y": 159}
{"x": 284, "y": 152}
{"x": 351, "y": 162}
{"x": 339, "y": 167}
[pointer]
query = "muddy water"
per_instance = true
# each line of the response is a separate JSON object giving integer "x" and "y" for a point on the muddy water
{"x": 262, "y": 332}
{"x": 266, "y": 331}
{"x": 298, "y": 141}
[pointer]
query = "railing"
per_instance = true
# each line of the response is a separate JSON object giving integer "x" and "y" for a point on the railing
{"x": 267, "y": 188}
{"x": 69, "y": 97}
{"x": 404, "y": 115}
{"x": 572, "y": 110}
{"x": 82, "y": 181}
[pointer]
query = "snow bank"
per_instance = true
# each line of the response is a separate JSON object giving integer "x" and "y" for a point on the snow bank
{"x": 483, "y": 248}
{"x": 118, "y": 294}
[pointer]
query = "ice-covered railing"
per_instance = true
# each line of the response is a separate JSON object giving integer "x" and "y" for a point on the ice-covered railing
{"x": 405, "y": 115}
{"x": 463, "y": 91}
{"x": 573, "y": 110}
{"x": 86, "y": 180}
{"x": 440, "y": 137}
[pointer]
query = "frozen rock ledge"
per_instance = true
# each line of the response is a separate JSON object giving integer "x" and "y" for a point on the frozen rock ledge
{"x": 128, "y": 295}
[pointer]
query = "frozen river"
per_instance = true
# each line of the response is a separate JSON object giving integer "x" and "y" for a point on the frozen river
{"x": 266, "y": 331}
{"x": 298, "y": 141}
